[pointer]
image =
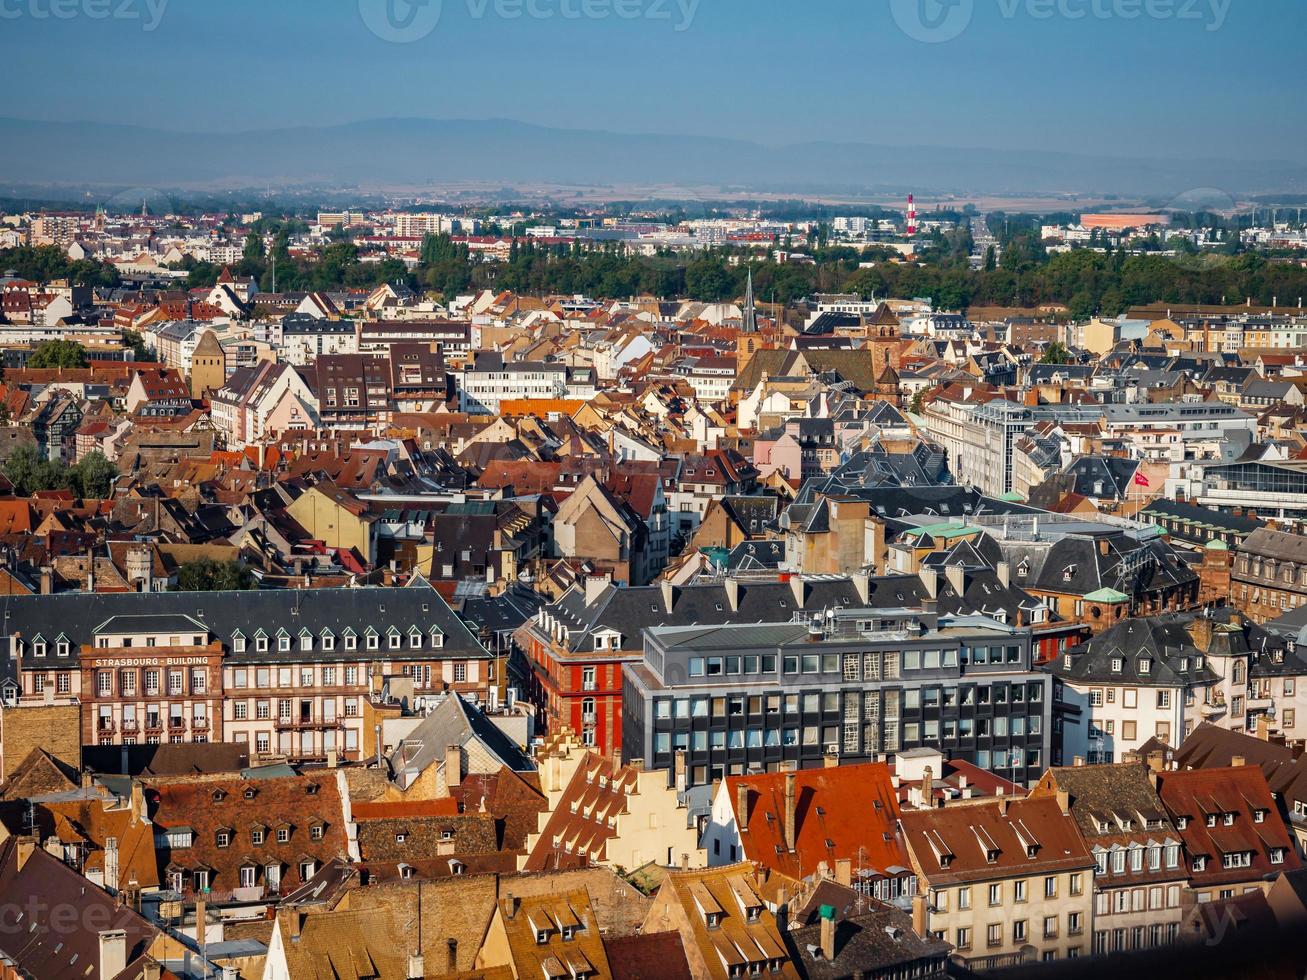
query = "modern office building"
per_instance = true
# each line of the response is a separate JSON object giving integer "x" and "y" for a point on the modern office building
{"x": 853, "y": 684}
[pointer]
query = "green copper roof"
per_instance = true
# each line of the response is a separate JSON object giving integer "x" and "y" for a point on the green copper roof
{"x": 945, "y": 531}
{"x": 1215, "y": 545}
{"x": 1107, "y": 595}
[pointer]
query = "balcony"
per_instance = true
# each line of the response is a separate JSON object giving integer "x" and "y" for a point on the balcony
{"x": 1212, "y": 709}
{"x": 130, "y": 726}
{"x": 105, "y": 726}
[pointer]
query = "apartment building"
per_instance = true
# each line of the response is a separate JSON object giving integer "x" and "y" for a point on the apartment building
{"x": 1142, "y": 679}
{"x": 853, "y": 684}
{"x": 1141, "y": 873}
{"x": 578, "y": 645}
{"x": 1269, "y": 575}
{"x": 289, "y": 674}
{"x": 1005, "y": 881}
{"x": 490, "y": 380}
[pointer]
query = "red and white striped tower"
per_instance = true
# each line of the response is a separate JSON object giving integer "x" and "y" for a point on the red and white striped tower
{"x": 912, "y": 216}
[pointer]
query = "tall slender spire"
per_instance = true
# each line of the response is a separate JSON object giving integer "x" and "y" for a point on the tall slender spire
{"x": 750, "y": 313}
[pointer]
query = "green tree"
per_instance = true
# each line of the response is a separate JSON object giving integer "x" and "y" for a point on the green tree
{"x": 29, "y": 473}
{"x": 58, "y": 354}
{"x": 1056, "y": 353}
{"x": 93, "y": 476}
{"x": 209, "y": 575}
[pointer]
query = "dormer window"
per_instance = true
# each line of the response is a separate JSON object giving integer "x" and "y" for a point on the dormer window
{"x": 437, "y": 638}
{"x": 238, "y": 642}
{"x": 393, "y": 639}
{"x": 1211, "y": 820}
{"x": 328, "y": 640}
{"x": 713, "y": 919}
{"x": 283, "y": 642}
{"x": 1229, "y": 820}
{"x": 1259, "y": 816}
{"x": 62, "y": 646}
{"x": 1145, "y": 665}
{"x": 373, "y": 640}
{"x": 306, "y": 640}
{"x": 38, "y": 647}
{"x": 351, "y": 641}
{"x": 1117, "y": 665}
{"x": 261, "y": 643}
{"x": 415, "y": 640}
{"x": 250, "y": 793}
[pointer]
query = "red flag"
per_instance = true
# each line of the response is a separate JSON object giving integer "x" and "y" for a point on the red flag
{"x": 1141, "y": 480}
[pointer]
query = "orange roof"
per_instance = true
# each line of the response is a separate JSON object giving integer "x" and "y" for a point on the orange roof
{"x": 540, "y": 406}
{"x": 444, "y": 807}
{"x": 841, "y": 812}
{"x": 15, "y": 517}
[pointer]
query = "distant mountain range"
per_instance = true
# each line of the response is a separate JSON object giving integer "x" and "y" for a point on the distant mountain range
{"x": 392, "y": 153}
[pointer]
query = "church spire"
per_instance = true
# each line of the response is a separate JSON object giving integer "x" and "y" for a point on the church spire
{"x": 750, "y": 313}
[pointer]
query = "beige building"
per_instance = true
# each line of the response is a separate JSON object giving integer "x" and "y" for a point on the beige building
{"x": 208, "y": 365}
{"x": 602, "y": 813}
{"x": 1005, "y": 881}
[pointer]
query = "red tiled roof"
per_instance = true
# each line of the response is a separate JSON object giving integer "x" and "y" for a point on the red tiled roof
{"x": 842, "y": 812}
{"x": 1194, "y": 794}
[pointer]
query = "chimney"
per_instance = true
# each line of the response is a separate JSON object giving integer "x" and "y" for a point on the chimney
{"x": 919, "y": 914}
{"x": 510, "y": 906}
{"x": 732, "y": 586}
{"x": 417, "y": 968}
{"x": 113, "y": 952}
{"x": 47, "y": 580}
{"x": 1064, "y": 802}
{"x": 1237, "y": 762}
{"x": 138, "y": 801}
{"x": 26, "y": 845}
{"x": 685, "y": 861}
{"x": 1156, "y": 760}
{"x": 790, "y": 811}
{"x": 451, "y": 960}
{"x": 956, "y": 576}
{"x": 1004, "y": 570}
{"x": 742, "y": 805}
{"x": 678, "y": 765}
{"x": 296, "y": 923}
{"x": 1263, "y": 729}
{"x": 1002, "y": 806}
{"x": 1078, "y": 761}
{"x": 830, "y": 760}
{"x": 927, "y": 787}
{"x": 828, "y": 933}
{"x": 844, "y": 871}
{"x": 151, "y": 971}
{"x": 453, "y": 765}
{"x": 930, "y": 581}
{"x": 666, "y": 588}
{"x": 201, "y": 921}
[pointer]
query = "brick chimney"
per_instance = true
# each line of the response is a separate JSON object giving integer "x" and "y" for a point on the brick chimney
{"x": 927, "y": 787}
{"x": 742, "y": 805}
{"x": 1237, "y": 762}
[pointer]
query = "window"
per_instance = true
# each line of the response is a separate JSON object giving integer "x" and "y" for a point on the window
{"x": 1050, "y": 887}
{"x": 1077, "y": 884}
{"x": 994, "y": 934}
{"x": 1019, "y": 931}
{"x": 995, "y": 895}
{"x": 283, "y": 835}
{"x": 963, "y": 939}
{"x": 223, "y": 838}
{"x": 1019, "y": 892}
{"x": 316, "y": 831}
{"x": 964, "y": 898}
{"x": 257, "y": 836}
{"x": 1050, "y": 926}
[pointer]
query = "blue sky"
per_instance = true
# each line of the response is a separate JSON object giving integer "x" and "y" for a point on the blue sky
{"x": 1219, "y": 78}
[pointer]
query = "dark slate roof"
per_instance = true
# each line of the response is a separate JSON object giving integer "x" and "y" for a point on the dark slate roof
{"x": 1185, "y": 511}
{"x": 630, "y": 611}
{"x": 78, "y": 616}
{"x": 750, "y": 556}
{"x": 1102, "y": 476}
{"x": 1078, "y": 564}
{"x": 1164, "y": 641}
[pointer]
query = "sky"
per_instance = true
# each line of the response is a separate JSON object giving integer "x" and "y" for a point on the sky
{"x": 1167, "y": 78}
